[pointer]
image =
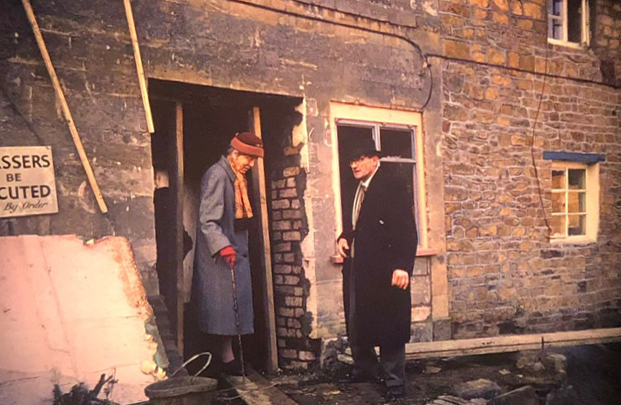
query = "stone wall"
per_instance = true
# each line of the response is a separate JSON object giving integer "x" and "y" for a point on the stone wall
{"x": 487, "y": 59}
{"x": 505, "y": 275}
{"x": 607, "y": 39}
{"x": 88, "y": 45}
{"x": 513, "y": 34}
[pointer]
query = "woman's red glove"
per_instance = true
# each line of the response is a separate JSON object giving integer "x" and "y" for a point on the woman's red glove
{"x": 228, "y": 254}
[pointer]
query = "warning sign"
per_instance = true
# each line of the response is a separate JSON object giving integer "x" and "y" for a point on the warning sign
{"x": 27, "y": 183}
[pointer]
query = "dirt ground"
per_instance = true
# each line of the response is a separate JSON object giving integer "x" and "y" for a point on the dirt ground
{"x": 593, "y": 377}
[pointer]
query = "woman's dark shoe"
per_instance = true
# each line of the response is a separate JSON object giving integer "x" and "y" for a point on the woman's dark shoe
{"x": 232, "y": 368}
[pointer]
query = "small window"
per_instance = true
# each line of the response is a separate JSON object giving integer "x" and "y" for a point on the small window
{"x": 575, "y": 205}
{"x": 568, "y": 22}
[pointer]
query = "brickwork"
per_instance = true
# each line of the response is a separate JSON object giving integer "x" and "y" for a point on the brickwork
{"x": 291, "y": 287}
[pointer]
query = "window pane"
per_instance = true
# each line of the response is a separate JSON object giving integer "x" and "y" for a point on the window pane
{"x": 555, "y": 29}
{"x": 574, "y": 21}
{"x": 557, "y": 223}
{"x": 577, "y": 202}
{"x": 558, "y": 202}
{"x": 577, "y": 225}
{"x": 556, "y": 7}
{"x": 404, "y": 171}
{"x": 396, "y": 142}
{"x": 576, "y": 179}
{"x": 558, "y": 179}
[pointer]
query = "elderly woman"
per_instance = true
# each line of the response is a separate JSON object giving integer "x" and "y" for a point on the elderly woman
{"x": 222, "y": 245}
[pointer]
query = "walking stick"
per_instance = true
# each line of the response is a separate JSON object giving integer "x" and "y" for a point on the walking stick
{"x": 236, "y": 310}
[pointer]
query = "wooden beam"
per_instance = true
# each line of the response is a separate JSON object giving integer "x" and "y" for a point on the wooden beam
{"x": 507, "y": 344}
{"x": 512, "y": 343}
{"x": 259, "y": 183}
{"x": 65, "y": 107}
{"x": 179, "y": 180}
{"x": 141, "y": 77}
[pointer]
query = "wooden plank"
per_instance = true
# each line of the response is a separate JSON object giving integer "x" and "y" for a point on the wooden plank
{"x": 141, "y": 77}
{"x": 179, "y": 170}
{"x": 256, "y": 390}
{"x": 65, "y": 107}
{"x": 258, "y": 176}
{"x": 512, "y": 343}
{"x": 504, "y": 344}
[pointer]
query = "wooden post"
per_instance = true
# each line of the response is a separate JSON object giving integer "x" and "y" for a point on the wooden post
{"x": 141, "y": 77}
{"x": 65, "y": 107}
{"x": 179, "y": 170}
{"x": 258, "y": 176}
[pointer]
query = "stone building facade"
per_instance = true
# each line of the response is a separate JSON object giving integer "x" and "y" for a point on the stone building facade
{"x": 488, "y": 100}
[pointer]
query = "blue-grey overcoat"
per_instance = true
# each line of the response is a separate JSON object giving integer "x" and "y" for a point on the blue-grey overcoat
{"x": 212, "y": 290}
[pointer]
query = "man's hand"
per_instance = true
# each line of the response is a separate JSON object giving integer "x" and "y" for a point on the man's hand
{"x": 400, "y": 279}
{"x": 229, "y": 255}
{"x": 342, "y": 247}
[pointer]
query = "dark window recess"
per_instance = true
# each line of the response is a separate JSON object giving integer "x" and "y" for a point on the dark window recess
{"x": 397, "y": 143}
{"x": 398, "y": 151}
{"x": 404, "y": 171}
{"x": 574, "y": 21}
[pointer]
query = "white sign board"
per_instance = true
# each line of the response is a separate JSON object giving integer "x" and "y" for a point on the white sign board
{"x": 27, "y": 183}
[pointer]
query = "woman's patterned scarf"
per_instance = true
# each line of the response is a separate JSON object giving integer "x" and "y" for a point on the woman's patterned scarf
{"x": 242, "y": 202}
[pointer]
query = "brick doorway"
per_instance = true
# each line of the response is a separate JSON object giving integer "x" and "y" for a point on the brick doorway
{"x": 193, "y": 127}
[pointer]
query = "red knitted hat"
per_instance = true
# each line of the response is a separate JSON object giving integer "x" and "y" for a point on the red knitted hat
{"x": 248, "y": 144}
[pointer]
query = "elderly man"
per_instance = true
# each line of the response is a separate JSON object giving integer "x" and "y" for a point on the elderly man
{"x": 222, "y": 245}
{"x": 378, "y": 245}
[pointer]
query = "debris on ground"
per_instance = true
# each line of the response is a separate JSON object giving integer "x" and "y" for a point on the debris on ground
{"x": 451, "y": 400}
{"x": 432, "y": 370}
{"x": 81, "y": 395}
{"x": 522, "y": 396}
{"x": 554, "y": 376}
{"x": 481, "y": 388}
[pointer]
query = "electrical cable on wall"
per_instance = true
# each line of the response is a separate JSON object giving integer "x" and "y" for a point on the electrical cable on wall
{"x": 423, "y": 55}
{"x": 533, "y": 137}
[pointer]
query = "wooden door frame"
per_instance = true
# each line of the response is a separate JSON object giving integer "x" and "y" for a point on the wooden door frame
{"x": 179, "y": 182}
{"x": 258, "y": 176}
{"x": 259, "y": 184}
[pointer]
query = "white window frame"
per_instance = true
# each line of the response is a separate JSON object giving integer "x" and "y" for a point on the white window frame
{"x": 592, "y": 201}
{"x": 584, "y": 40}
{"x": 379, "y": 117}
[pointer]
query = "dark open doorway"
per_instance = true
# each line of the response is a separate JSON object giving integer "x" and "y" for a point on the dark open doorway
{"x": 194, "y": 125}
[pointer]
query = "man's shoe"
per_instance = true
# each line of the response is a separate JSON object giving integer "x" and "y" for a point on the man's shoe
{"x": 394, "y": 393}
{"x": 354, "y": 378}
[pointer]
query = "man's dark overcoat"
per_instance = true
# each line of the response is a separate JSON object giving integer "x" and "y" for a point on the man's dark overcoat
{"x": 385, "y": 239}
